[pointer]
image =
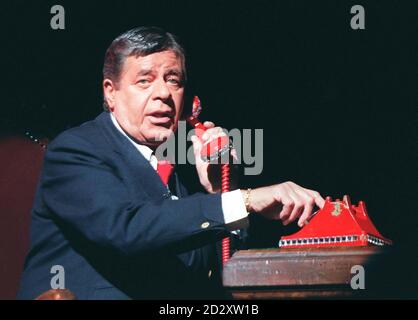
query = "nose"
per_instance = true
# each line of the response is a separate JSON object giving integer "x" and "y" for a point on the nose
{"x": 161, "y": 90}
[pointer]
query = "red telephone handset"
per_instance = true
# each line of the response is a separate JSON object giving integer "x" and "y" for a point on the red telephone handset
{"x": 212, "y": 150}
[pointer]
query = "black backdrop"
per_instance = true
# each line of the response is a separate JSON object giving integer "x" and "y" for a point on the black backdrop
{"x": 338, "y": 106}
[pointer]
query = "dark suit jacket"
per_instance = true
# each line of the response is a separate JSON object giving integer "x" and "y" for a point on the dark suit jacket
{"x": 101, "y": 212}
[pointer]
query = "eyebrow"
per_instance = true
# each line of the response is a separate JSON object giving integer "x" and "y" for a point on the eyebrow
{"x": 170, "y": 72}
{"x": 144, "y": 72}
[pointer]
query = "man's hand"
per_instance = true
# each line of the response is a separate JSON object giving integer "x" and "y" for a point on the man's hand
{"x": 286, "y": 201}
{"x": 209, "y": 174}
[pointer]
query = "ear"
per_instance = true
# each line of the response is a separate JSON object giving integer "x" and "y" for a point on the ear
{"x": 109, "y": 91}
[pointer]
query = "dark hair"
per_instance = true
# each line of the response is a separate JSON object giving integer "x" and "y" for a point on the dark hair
{"x": 138, "y": 42}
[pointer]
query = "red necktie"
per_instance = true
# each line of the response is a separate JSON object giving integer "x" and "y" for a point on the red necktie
{"x": 165, "y": 169}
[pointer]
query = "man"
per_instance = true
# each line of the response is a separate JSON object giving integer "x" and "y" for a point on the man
{"x": 102, "y": 211}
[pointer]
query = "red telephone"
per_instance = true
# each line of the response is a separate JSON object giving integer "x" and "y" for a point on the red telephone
{"x": 211, "y": 152}
{"x": 338, "y": 223}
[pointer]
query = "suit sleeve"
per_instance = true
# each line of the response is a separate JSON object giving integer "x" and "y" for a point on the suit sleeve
{"x": 80, "y": 189}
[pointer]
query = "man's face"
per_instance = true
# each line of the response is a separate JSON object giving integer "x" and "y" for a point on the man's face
{"x": 148, "y": 99}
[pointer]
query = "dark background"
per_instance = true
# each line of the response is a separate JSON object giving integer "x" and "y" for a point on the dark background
{"x": 338, "y": 106}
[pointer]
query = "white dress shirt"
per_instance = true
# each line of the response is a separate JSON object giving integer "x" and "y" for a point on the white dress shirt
{"x": 233, "y": 205}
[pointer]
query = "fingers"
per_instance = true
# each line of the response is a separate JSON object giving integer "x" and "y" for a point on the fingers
{"x": 307, "y": 212}
{"x": 197, "y": 147}
{"x": 208, "y": 124}
{"x": 286, "y": 210}
{"x": 296, "y": 212}
{"x": 213, "y": 133}
{"x": 319, "y": 201}
{"x": 298, "y": 206}
{"x": 308, "y": 199}
{"x": 298, "y": 203}
{"x": 197, "y": 144}
{"x": 200, "y": 140}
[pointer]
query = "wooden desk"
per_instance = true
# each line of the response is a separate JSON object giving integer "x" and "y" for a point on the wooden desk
{"x": 296, "y": 273}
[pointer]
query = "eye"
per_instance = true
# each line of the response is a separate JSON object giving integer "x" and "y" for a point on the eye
{"x": 143, "y": 81}
{"x": 174, "y": 81}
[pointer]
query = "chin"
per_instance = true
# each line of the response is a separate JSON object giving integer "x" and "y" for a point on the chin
{"x": 161, "y": 134}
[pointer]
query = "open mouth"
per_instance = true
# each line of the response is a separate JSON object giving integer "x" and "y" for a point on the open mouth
{"x": 162, "y": 119}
